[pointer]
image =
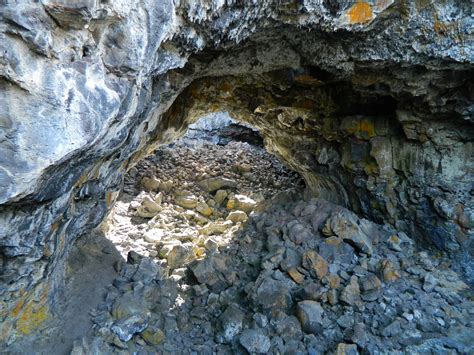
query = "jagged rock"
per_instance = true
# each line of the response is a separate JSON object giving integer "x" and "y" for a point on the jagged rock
{"x": 126, "y": 328}
{"x": 187, "y": 201}
{"x": 389, "y": 271}
{"x": 351, "y": 293}
{"x": 255, "y": 341}
{"x": 216, "y": 183}
{"x": 220, "y": 196}
{"x": 310, "y": 314}
{"x": 371, "y": 287}
{"x": 215, "y": 228}
{"x": 151, "y": 184}
{"x": 153, "y": 336}
{"x": 204, "y": 209}
{"x": 237, "y": 216}
{"x": 344, "y": 225}
{"x": 241, "y": 202}
{"x": 429, "y": 282}
{"x": 315, "y": 263}
{"x": 150, "y": 207}
{"x": 232, "y": 322}
{"x": 346, "y": 349}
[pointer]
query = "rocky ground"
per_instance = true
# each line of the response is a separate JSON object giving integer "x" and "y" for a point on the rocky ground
{"x": 223, "y": 255}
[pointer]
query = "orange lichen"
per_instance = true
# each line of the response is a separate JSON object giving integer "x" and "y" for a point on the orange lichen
{"x": 360, "y": 12}
{"x": 440, "y": 27}
{"x": 32, "y": 318}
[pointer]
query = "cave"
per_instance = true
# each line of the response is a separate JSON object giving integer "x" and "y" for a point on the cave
{"x": 370, "y": 102}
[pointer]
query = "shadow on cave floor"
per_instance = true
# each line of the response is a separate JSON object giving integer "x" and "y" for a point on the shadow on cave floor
{"x": 89, "y": 270}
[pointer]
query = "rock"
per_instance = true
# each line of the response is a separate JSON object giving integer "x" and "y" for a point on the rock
{"x": 215, "y": 228}
{"x": 232, "y": 322}
{"x": 241, "y": 202}
{"x": 344, "y": 225}
{"x": 127, "y": 327}
{"x": 346, "y": 349}
{"x": 334, "y": 281}
{"x": 204, "y": 209}
{"x": 133, "y": 257}
{"x": 315, "y": 263}
{"x": 79, "y": 108}
{"x": 429, "y": 282}
{"x": 220, "y": 196}
{"x": 357, "y": 335}
{"x": 151, "y": 184}
{"x": 333, "y": 297}
{"x": 288, "y": 327}
{"x": 351, "y": 293}
{"x": 389, "y": 271}
{"x": 205, "y": 271}
{"x": 255, "y": 341}
{"x": 153, "y": 336}
{"x": 178, "y": 255}
{"x": 273, "y": 294}
{"x": 296, "y": 276}
{"x": 237, "y": 216}
{"x": 393, "y": 329}
{"x": 216, "y": 183}
{"x": 297, "y": 232}
{"x": 243, "y": 167}
{"x": 334, "y": 250}
{"x": 310, "y": 314}
{"x": 154, "y": 235}
{"x": 371, "y": 287}
{"x": 186, "y": 201}
{"x": 165, "y": 186}
{"x": 147, "y": 271}
{"x": 150, "y": 207}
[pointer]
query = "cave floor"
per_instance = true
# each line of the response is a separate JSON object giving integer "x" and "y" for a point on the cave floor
{"x": 213, "y": 249}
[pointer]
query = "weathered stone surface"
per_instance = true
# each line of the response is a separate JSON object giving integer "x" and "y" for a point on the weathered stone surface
{"x": 255, "y": 341}
{"x": 216, "y": 183}
{"x": 310, "y": 314}
{"x": 87, "y": 89}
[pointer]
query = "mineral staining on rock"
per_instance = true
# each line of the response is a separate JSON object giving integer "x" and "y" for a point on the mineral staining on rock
{"x": 369, "y": 100}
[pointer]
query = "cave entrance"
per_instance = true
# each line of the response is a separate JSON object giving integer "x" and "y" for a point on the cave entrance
{"x": 195, "y": 193}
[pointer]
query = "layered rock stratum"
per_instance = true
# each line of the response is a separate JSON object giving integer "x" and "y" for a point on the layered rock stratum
{"x": 370, "y": 101}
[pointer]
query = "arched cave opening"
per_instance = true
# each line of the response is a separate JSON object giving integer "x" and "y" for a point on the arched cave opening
{"x": 370, "y": 102}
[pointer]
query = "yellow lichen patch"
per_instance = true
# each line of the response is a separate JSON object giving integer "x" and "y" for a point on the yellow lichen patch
{"x": 32, "y": 318}
{"x": 30, "y": 314}
{"x": 360, "y": 12}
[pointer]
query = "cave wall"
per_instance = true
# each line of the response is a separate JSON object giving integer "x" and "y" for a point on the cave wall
{"x": 371, "y": 101}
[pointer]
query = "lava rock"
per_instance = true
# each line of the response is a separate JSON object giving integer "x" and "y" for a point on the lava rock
{"x": 310, "y": 315}
{"x": 255, "y": 341}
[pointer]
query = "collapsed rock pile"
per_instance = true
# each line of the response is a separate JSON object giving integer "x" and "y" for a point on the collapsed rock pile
{"x": 203, "y": 194}
{"x": 215, "y": 264}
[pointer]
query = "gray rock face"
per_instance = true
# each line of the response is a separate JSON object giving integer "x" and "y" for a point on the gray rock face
{"x": 88, "y": 88}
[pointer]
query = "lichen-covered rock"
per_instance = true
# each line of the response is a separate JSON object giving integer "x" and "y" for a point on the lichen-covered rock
{"x": 88, "y": 88}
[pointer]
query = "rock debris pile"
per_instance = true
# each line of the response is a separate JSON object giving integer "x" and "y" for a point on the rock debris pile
{"x": 223, "y": 255}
